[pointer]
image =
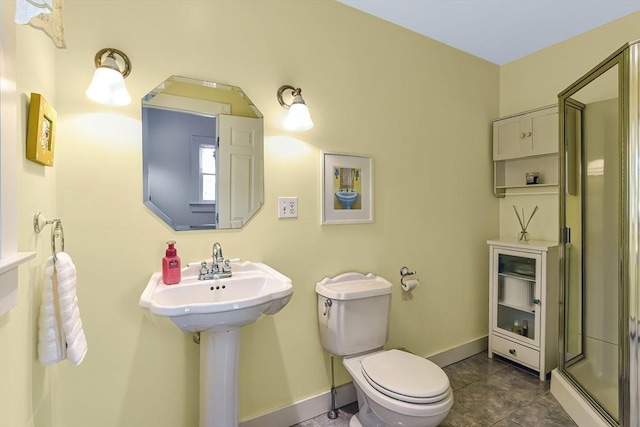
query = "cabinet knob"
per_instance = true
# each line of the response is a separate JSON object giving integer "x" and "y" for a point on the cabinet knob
{"x": 512, "y": 351}
{"x": 522, "y": 135}
{"x": 536, "y": 301}
{"x": 528, "y": 133}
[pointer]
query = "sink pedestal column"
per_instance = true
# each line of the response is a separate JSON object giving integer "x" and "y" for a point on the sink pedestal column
{"x": 219, "y": 353}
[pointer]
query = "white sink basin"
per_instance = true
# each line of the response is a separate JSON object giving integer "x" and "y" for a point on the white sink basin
{"x": 220, "y": 304}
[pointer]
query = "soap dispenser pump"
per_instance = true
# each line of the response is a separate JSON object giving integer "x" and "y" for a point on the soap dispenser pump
{"x": 171, "y": 265}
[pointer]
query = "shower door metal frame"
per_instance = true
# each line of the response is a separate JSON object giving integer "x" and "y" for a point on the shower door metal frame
{"x": 565, "y": 235}
{"x": 628, "y": 266}
{"x": 632, "y": 273}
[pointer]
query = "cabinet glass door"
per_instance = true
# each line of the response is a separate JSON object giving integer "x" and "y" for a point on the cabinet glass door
{"x": 517, "y": 295}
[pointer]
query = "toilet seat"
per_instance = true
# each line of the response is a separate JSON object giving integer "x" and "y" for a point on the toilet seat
{"x": 405, "y": 377}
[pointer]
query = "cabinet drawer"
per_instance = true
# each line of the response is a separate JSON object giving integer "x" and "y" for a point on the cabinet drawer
{"x": 516, "y": 352}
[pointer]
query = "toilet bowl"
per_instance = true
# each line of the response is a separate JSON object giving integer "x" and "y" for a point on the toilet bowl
{"x": 394, "y": 387}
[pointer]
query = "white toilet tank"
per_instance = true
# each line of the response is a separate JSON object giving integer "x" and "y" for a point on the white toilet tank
{"x": 353, "y": 313}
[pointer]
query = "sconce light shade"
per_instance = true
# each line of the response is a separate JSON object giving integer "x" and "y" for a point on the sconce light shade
{"x": 298, "y": 117}
{"x": 107, "y": 86}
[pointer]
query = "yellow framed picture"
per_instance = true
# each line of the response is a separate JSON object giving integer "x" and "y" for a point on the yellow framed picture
{"x": 41, "y": 131}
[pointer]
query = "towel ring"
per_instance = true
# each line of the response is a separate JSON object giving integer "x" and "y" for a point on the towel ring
{"x": 57, "y": 231}
{"x": 39, "y": 222}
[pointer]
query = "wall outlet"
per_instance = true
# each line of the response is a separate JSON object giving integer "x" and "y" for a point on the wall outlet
{"x": 287, "y": 207}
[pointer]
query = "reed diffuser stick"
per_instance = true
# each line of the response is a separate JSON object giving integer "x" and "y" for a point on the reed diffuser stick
{"x": 532, "y": 214}
{"x": 518, "y": 216}
{"x": 524, "y": 235}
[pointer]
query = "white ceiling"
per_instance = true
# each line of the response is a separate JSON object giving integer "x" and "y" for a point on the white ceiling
{"x": 499, "y": 31}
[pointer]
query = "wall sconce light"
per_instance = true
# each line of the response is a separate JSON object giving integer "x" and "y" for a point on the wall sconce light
{"x": 107, "y": 85}
{"x": 298, "y": 117}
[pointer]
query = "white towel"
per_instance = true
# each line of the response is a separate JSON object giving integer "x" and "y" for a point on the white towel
{"x": 60, "y": 334}
{"x": 51, "y": 343}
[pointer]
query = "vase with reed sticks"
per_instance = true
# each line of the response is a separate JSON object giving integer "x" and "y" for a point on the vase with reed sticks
{"x": 523, "y": 236}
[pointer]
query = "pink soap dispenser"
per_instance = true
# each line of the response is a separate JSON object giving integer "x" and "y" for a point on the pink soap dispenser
{"x": 171, "y": 265}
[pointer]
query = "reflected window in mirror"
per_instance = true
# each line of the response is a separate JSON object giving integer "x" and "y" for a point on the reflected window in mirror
{"x": 206, "y": 172}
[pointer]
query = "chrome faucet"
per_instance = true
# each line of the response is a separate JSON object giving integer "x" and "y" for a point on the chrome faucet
{"x": 216, "y": 253}
{"x": 220, "y": 268}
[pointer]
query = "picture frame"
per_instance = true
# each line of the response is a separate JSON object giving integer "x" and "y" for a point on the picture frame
{"x": 347, "y": 189}
{"x": 41, "y": 130}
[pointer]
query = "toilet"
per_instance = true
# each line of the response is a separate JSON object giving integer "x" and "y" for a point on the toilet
{"x": 394, "y": 387}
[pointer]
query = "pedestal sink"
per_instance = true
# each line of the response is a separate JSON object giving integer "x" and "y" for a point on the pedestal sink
{"x": 217, "y": 309}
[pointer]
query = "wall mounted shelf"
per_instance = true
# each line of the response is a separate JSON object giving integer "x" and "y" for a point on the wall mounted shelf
{"x": 522, "y": 143}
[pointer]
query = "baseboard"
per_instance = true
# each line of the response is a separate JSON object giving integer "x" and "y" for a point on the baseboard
{"x": 460, "y": 352}
{"x": 321, "y": 404}
{"x": 304, "y": 409}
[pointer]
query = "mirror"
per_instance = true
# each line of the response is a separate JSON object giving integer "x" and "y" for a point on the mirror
{"x": 202, "y": 154}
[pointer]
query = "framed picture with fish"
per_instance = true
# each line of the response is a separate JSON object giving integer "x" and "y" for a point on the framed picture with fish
{"x": 41, "y": 130}
{"x": 347, "y": 189}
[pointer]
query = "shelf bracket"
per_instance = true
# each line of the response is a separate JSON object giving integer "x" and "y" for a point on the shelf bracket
{"x": 495, "y": 189}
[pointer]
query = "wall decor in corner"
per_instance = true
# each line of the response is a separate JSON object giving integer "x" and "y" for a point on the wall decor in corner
{"x": 347, "y": 189}
{"x": 41, "y": 131}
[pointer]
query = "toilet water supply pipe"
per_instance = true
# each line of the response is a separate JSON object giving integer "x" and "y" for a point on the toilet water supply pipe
{"x": 333, "y": 413}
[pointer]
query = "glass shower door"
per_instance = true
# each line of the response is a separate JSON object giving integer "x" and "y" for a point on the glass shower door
{"x": 590, "y": 211}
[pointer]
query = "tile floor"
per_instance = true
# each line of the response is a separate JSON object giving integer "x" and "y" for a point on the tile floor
{"x": 487, "y": 392}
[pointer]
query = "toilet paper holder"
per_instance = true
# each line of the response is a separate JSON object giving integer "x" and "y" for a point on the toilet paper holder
{"x": 404, "y": 272}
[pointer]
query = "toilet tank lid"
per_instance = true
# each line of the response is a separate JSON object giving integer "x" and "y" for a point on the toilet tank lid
{"x": 353, "y": 285}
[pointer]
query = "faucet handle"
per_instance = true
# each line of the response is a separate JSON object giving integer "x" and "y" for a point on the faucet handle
{"x": 203, "y": 269}
{"x": 226, "y": 268}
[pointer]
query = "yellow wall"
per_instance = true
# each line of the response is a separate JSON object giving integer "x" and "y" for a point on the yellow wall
{"x": 535, "y": 81}
{"x": 418, "y": 107}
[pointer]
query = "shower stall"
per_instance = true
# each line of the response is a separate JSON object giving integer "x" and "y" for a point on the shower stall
{"x": 597, "y": 380}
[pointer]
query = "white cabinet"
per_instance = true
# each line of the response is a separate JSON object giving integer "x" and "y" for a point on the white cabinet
{"x": 526, "y": 142}
{"x": 523, "y": 303}
{"x": 529, "y": 134}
